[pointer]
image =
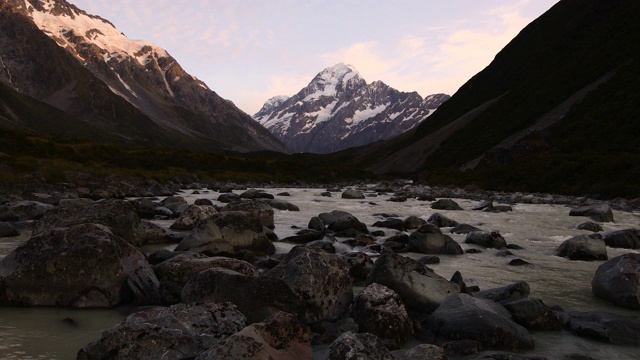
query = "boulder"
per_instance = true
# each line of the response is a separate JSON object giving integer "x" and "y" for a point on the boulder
{"x": 228, "y": 198}
{"x": 510, "y": 292}
{"x": 305, "y": 236}
{"x": 464, "y": 229}
{"x": 533, "y": 314}
{"x": 192, "y": 215}
{"x": 7, "y": 230}
{"x": 603, "y": 327}
{"x": 257, "y": 297}
{"x": 83, "y": 266}
{"x": 462, "y": 316}
{"x": 155, "y": 234}
{"x": 282, "y": 205}
{"x": 618, "y": 281}
{"x": 260, "y": 209}
{"x": 320, "y": 278}
{"x": 440, "y": 220}
{"x": 421, "y": 352}
{"x": 487, "y": 239}
{"x": 203, "y": 202}
{"x": 175, "y": 272}
{"x": 583, "y": 247}
{"x": 445, "y": 204}
{"x": 333, "y": 216}
{"x": 253, "y": 194}
{"x": 22, "y": 210}
{"x": 486, "y": 205}
{"x": 413, "y": 222}
{"x": 350, "y": 346}
{"x": 316, "y": 224}
{"x": 390, "y": 223}
{"x": 360, "y": 264}
{"x": 421, "y": 289}
{"x": 596, "y": 212}
{"x": 119, "y": 215}
{"x": 433, "y": 244}
{"x": 181, "y": 331}
{"x": 589, "y": 226}
{"x": 379, "y": 310}
{"x": 352, "y": 194}
{"x": 173, "y": 202}
{"x": 625, "y": 239}
{"x": 348, "y": 223}
{"x": 281, "y": 336}
{"x": 228, "y": 232}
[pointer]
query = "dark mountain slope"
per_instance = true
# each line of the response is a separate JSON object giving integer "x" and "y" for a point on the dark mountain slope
{"x": 568, "y": 78}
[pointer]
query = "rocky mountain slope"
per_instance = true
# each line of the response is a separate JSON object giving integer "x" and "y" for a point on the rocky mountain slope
{"x": 553, "y": 112}
{"x": 339, "y": 110}
{"x": 132, "y": 90}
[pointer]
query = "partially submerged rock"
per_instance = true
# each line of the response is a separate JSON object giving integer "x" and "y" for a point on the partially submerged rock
{"x": 618, "y": 280}
{"x": 583, "y": 247}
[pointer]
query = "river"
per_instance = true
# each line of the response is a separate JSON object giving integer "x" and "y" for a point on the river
{"x": 42, "y": 333}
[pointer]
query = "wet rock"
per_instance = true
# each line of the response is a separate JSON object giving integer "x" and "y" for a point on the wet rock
{"x": 464, "y": 229}
{"x": 533, "y": 314}
{"x": 22, "y": 210}
{"x": 191, "y": 216}
{"x": 583, "y": 247}
{"x": 174, "y": 273}
{"x": 486, "y": 205}
{"x": 401, "y": 238}
{"x": 203, "y": 202}
{"x": 429, "y": 228}
{"x": 253, "y": 194}
{"x": 510, "y": 292}
{"x": 398, "y": 198}
{"x": 350, "y": 346}
{"x": 256, "y": 297}
{"x": 352, "y": 194}
{"x": 604, "y": 327}
{"x": 462, "y": 316}
{"x": 473, "y": 251}
{"x": 163, "y": 255}
{"x": 379, "y": 310}
{"x": 390, "y": 223}
{"x": 228, "y": 232}
{"x": 421, "y": 352}
{"x": 618, "y": 281}
{"x": 173, "y": 202}
{"x": 316, "y": 224}
{"x": 325, "y": 332}
{"x": 119, "y": 215}
{"x": 228, "y": 198}
{"x": 420, "y": 288}
{"x": 7, "y": 230}
{"x": 429, "y": 259}
{"x": 589, "y": 226}
{"x": 487, "y": 239}
{"x": 348, "y": 223}
{"x": 282, "y": 205}
{"x": 445, "y": 204}
{"x": 154, "y": 234}
{"x": 281, "y": 336}
{"x": 80, "y": 266}
{"x": 413, "y": 222}
{"x": 305, "y": 236}
{"x": 626, "y": 239}
{"x": 178, "y": 332}
{"x": 360, "y": 240}
{"x": 324, "y": 245}
{"x": 360, "y": 264}
{"x": 320, "y": 278}
{"x": 258, "y": 208}
{"x": 519, "y": 262}
{"x": 440, "y": 220}
{"x": 433, "y": 244}
{"x": 596, "y": 212}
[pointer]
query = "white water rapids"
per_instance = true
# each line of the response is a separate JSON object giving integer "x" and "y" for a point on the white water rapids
{"x": 41, "y": 333}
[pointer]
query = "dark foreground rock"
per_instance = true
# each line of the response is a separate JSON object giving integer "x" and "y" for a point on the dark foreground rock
{"x": 281, "y": 336}
{"x": 625, "y": 239}
{"x": 618, "y": 280}
{"x": 491, "y": 239}
{"x": 7, "y": 230}
{"x": 192, "y": 215}
{"x": 379, "y": 310}
{"x": 464, "y": 317}
{"x": 80, "y": 266}
{"x": 596, "y": 212}
{"x": 510, "y": 292}
{"x": 583, "y": 247}
{"x": 426, "y": 243}
{"x": 533, "y": 314}
{"x": 604, "y": 327}
{"x": 350, "y": 346}
{"x": 178, "y": 332}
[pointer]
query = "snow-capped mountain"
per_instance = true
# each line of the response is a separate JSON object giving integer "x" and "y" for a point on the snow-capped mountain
{"x": 184, "y": 109}
{"x": 338, "y": 110}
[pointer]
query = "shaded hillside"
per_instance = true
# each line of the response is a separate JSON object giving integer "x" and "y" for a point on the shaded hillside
{"x": 553, "y": 112}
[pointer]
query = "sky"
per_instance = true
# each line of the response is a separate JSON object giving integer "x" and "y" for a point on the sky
{"x": 248, "y": 51}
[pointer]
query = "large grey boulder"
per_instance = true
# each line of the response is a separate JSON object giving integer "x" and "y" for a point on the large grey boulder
{"x": 426, "y": 243}
{"x": 182, "y": 331}
{"x": 320, "y": 278}
{"x": 583, "y": 247}
{"x": 625, "y": 239}
{"x": 192, "y": 215}
{"x": 350, "y": 346}
{"x": 119, "y": 215}
{"x": 603, "y": 327}
{"x": 379, "y": 310}
{"x": 227, "y": 233}
{"x": 257, "y": 297}
{"x": 618, "y": 281}
{"x": 175, "y": 272}
{"x": 462, "y": 316}
{"x": 21, "y": 210}
{"x": 281, "y": 336}
{"x": 596, "y": 212}
{"x": 258, "y": 208}
{"x": 420, "y": 288}
{"x": 83, "y": 266}
{"x": 491, "y": 239}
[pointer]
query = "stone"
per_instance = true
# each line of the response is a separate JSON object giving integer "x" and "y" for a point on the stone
{"x": 445, "y": 204}
{"x": 282, "y": 205}
{"x": 589, "y": 226}
{"x": 464, "y": 229}
{"x": 352, "y": 194}
{"x": 618, "y": 281}
{"x": 253, "y": 194}
{"x": 281, "y": 336}
{"x": 191, "y": 216}
{"x": 348, "y": 223}
{"x": 533, "y": 314}
{"x": 583, "y": 247}
{"x": 421, "y": 352}
{"x": 433, "y": 244}
{"x": 603, "y": 327}
{"x": 360, "y": 264}
{"x": 228, "y": 232}
{"x": 304, "y": 237}
{"x": 173, "y": 202}
{"x": 181, "y": 331}
{"x": 257, "y": 297}
{"x": 510, "y": 292}
{"x": 22, "y": 210}
{"x": 203, "y": 202}
{"x": 320, "y": 278}
{"x": 440, "y": 220}
{"x": 350, "y": 346}
{"x": 316, "y": 224}
{"x": 486, "y": 205}
{"x": 429, "y": 259}
{"x": 260, "y": 209}
{"x": 421, "y": 289}
{"x": 625, "y": 239}
{"x": 487, "y": 239}
{"x": 413, "y": 222}
{"x": 325, "y": 332}
{"x": 379, "y": 310}
{"x": 83, "y": 266}
{"x": 596, "y": 212}
{"x": 390, "y": 223}
{"x": 7, "y": 230}
{"x": 462, "y": 316}
{"x": 228, "y": 198}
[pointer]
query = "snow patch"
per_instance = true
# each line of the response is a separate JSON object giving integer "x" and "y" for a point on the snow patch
{"x": 362, "y": 115}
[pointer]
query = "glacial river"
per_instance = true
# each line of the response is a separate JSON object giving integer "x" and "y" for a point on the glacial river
{"x": 42, "y": 333}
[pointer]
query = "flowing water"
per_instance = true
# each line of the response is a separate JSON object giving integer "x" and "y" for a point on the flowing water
{"x": 42, "y": 333}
